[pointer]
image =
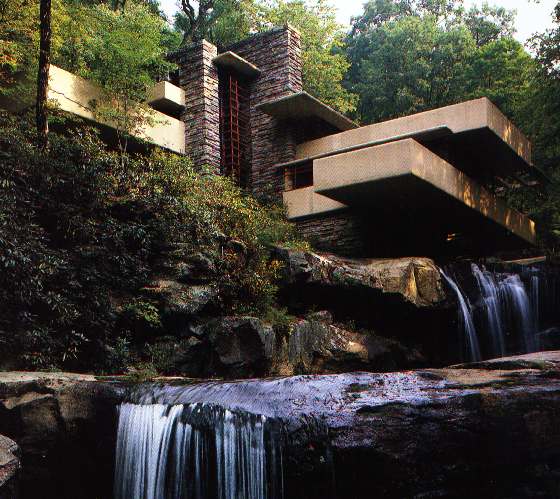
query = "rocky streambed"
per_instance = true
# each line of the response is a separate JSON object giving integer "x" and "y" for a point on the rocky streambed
{"x": 484, "y": 430}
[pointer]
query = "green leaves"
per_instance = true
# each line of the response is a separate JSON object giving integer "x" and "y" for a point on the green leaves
{"x": 324, "y": 62}
{"x": 80, "y": 234}
{"x": 408, "y": 56}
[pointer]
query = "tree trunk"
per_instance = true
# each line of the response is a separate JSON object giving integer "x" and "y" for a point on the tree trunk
{"x": 43, "y": 73}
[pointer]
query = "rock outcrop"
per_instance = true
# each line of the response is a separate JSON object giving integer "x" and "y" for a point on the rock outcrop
{"x": 415, "y": 281}
{"x": 241, "y": 347}
{"x": 65, "y": 427}
{"x": 484, "y": 430}
{"x": 315, "y": 347}
{"x": 9, "y": 468}
{"x": 403, "y": 298}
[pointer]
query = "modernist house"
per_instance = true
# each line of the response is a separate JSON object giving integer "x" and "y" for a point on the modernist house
{"x": 424, "y": 184}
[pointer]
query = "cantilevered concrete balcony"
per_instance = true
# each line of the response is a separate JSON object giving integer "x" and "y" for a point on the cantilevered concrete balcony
{"x": 167, "y": 98}
{"x": 420, "y": 177}
{"x": 74, "y": 95}
{"x": 474, "y": 136}
{"x": 407, "y": 192}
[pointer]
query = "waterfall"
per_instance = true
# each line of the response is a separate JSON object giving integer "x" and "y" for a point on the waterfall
{"x": 500, "y": 314}
{"x": 535, "y": 298}
{"x": 466, "y": 319}
{"x": 196, "y": 451}
{"x": 517, "y": 302}
{"x": 490, "y": 294}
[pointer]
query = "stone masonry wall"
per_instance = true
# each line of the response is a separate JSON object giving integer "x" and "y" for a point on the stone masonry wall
{"x": 277, "y": 53}
{"x": 343, "y": 233}
{"x": 198, "y": 77}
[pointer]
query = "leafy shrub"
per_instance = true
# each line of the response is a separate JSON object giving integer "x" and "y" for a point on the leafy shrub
{"x": 141, "y": 317}
{"x": 142, "y": 373}
{"x": 80, "y": 231}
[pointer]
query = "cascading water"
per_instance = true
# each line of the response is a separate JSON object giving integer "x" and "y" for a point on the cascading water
{"x": 503, "y": 312}
{"x": 490, "y": 295}
{"x": 196, "y": 451}
{"x": 465, "y": 319}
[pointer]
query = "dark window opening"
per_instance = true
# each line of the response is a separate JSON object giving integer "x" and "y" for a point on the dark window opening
{"x": 234, "y": 127}
{"x": 298, "y": 176}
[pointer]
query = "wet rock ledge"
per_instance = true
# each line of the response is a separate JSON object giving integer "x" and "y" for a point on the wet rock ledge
{"x": 488, "y": 430}
{"x": 64, "y": 425}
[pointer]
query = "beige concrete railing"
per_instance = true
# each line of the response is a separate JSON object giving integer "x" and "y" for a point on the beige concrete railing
{"x": 74, "y": 94}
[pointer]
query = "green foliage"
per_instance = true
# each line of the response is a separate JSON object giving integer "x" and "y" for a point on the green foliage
{"x": 547, "y": 46}
{"x": 161, "y": 353}
{"x": 19, "y": 45}
{"x": 119, "y": 354}
{"x": 79, "y": 234}
{"x": 279, "y": 318}
{"x": 141, "y": 317}
{"x": 408, "y": 65}
{"x": 488, "y": 24}
{"x": 124, "y": 53}
{"x": 324, "y": 64}
{"x": 228, "y": 22}
{"x": 410, "y": 56}
{"x": 143, "y": 372}
{"x": 500, "y": 70}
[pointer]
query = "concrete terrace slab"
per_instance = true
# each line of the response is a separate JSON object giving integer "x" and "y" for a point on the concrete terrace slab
{"x": 306, "y": 202}
{"x": 481, "y": 138}
{"x": 302, "y": 105}
{"x": 405, "y": 177}
{"x": 74, "y": 95}
{"x": 167, "y": 98}
{"x": 231, "y": 61}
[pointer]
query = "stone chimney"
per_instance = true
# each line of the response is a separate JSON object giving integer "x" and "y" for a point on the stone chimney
{"x": 198, "y": 77}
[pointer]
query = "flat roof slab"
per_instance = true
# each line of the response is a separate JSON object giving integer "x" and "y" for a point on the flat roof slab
{"x": 167, "y": 98}
{"x": 468, "y": 121}
{"x": 407, "y": 177}
{"x": 305, "y": 202}
{"x": 230, "y": 60}
{"x": 301, "y": 105}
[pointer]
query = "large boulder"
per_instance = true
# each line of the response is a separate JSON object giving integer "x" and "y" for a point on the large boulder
{"x": 316, "y": 347}
{"x": 413, "y": 280}
{"x": 65, "y": 426}
{"x": 9, "y": 468}
{"x": 241, "y": 346}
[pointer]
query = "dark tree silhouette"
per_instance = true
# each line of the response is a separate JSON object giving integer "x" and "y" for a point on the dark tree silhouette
{"x": 198, "y": 23}
{"x": 43, "y": 73}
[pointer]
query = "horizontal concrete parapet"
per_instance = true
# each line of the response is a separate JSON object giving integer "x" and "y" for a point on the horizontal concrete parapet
{"x": 407, "y": 173}
{"x": 459, "y": 118}
{"x": 74, "y": 95}
{"x": 167, "y": 98}
{"x": 305, "y": 202}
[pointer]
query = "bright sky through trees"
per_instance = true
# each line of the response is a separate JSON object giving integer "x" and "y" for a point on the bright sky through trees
{"x": 531, "y": 16}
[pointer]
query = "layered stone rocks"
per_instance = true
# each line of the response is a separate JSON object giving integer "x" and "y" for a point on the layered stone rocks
{"x": 486, "y": 430}
{"x": 241, "y": 347}
{"x": 416, "y": 281}
{"x": 65, "y": 426}
{"x": 9, "y": 468}
{"x": 453, "y": 433}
